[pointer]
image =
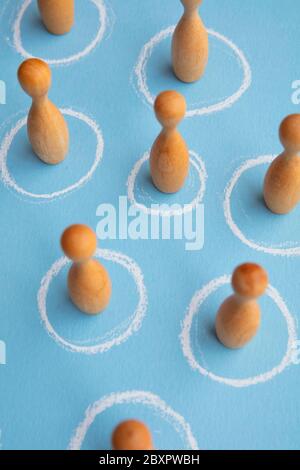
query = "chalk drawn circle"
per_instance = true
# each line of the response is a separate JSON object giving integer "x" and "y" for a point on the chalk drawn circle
{"x": 17, "y": 37}
{"x": 199, "y": 166}
{"x": 11, "y": 183}
{"x": 185, "y": 339}
{"x": 136, "y": 319}
{"x": 252, "y": 163}
{"x": 146, "y": 52}
{"x": 136, "y": 397}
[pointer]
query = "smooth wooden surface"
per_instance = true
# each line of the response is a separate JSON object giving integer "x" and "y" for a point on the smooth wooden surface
{"x": 47, "y": 129}
{"x": 89, "y": 283}
{"x": 132, "y": 435}
{"x": 190, "y": 46}
{"x": 238, "y": 318}
{"x": 169, "y": 158}
{"x": 57, "y": 15}
{"x": 89, "y": 286}
{"x": 79, "y": 242}
{"x": 282, "y": 181}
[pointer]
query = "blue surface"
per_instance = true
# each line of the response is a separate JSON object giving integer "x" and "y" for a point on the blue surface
{"x": 44, "y": 389}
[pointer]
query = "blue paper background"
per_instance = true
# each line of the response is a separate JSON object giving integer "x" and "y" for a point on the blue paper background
{"x": 45, "y": 390}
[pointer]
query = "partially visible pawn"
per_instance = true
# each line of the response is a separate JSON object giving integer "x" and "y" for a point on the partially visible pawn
{"x": 238, "y": 318}
{"x": 282, "y": 181}
{"x": 190, "y": 44}
{"x": 88, "y": 281}
{"x": 47, "y": 129}
{"x": 57, "y": 15}
{"x": 132, "y": 435}
{"x": 169, "y": 158}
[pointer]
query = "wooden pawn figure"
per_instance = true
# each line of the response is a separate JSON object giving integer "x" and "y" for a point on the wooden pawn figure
{"x": 46, "y": 127}
{"x": 88, "y": 281}
{"x": 282, "y": 181}
{"x": 238, "y": 318}
{"x": 132, "y": 435}
{"x": 190, "y": 44}
{"x": 57, "y": 15}
{"x": 169, "y": 158}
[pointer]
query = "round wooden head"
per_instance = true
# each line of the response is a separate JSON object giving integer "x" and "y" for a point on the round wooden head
{"x": 79, "y": 242}
{"x": 250, "y": 280}
{"x": 191, "y": 4}
{"x": 132, "y": 435}
{"x": 170, "y": 108}
{"x": 289, "y": 133}
{"x": 35, "y": 77}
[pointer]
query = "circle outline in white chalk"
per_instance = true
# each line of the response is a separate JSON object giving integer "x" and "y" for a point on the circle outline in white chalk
{"x": 247, "y": 165}
{"x": 18, "y": 45}
{"x": 199, "y": 297}
{"x": 11, "y": 183}
{"x": 137, "y": 317}
{"x": 135, "y": 397}
{"x": 198, "y": 164}
{"x": 146, "y": 52}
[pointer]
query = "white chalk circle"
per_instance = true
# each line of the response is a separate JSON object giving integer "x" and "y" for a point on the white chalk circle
{"x": 145, "y": 54}
{"x": 17, "y": 36}
{"x": 185, "y": 336}
{"x": 252, "y": 163}
{"x": 10, "y": 182}
{"x": 136, "y": 397}
{"x": 199, "y": 165}
{"x": 121, "y": 336}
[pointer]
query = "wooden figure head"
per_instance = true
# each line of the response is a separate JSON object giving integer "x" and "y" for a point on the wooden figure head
{"x": 170, "y": 108}
{"x": 35, "y": 77}
{"x": 132, "y": 435}
{"x": 249, "y": 280}
{"x": 289, "y": 133}
{"x": 79, "y": 242}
